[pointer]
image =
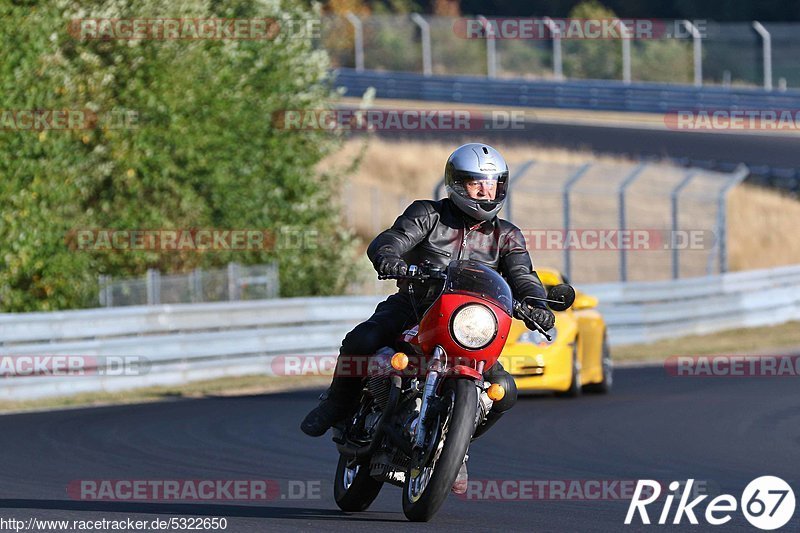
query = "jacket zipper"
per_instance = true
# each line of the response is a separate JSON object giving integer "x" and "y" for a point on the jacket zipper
{"x": 466, "y": 234}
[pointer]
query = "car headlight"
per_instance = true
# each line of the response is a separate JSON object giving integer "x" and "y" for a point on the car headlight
{"x": 474, "y": 326}
{"x": 534, "y": 337}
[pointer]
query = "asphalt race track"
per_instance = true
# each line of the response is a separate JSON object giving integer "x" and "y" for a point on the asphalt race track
{"x": 725, "y": 431}
{"x": 713, "y": 149}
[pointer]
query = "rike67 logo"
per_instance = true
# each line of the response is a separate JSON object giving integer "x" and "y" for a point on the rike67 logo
{"x": 767, "y": 503}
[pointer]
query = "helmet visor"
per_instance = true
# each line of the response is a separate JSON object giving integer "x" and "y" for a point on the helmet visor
{"x": 489, "y": 188}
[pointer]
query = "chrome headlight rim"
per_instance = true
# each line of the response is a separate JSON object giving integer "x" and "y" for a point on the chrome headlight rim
{"x": 453, "y": 319}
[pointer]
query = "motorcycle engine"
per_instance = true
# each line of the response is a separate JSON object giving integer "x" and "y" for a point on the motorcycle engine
{"x": 378, "y": 382}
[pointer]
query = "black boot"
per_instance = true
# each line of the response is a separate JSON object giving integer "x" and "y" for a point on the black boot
{"x": 338, "y": 402}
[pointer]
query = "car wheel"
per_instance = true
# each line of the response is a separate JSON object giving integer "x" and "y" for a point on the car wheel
{"x": 575, "y": 383}
{"x": 608, "y": 371}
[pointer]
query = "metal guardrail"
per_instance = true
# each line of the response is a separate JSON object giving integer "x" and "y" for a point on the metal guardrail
{"x": 187, "y": 342}
{"x": 601, "y": 95}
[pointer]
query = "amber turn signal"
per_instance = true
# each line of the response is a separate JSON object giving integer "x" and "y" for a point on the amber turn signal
{"x": 399, "y": 361}
{"x": 495, "y": 392}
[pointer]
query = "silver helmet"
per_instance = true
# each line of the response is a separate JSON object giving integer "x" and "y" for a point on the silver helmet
{"x": 469, "y": 165}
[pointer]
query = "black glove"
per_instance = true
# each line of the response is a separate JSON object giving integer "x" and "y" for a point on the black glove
{"x": 544, "y": 317}
{"x": 392, "y": 266}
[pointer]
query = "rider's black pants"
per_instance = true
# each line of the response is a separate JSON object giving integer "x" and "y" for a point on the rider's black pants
{"x": 390, "y": 318}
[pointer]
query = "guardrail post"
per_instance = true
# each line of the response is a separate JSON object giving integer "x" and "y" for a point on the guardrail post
{"x": 558, "y": 67}
{"x": 153, "y": 282}
{"x": 625, "y": 37}
{"x": 512, "y": 180}
{"x": 629, "y": 179}
{"x": 697, "y": 44}
{"x": 491, "y": 54}
{"x": 358, "y": 40}
{"x": 425, "y": 30}
{"x": 766, "y": 51}
{"x": 565, "y": 199}
{"x": 233, "y": 281}
{"x": 674, "y": 204}
{"x": 741, "y": 172}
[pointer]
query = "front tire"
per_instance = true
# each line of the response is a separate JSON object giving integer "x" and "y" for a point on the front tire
{"x": 426, "y": 489}
{"x": 354, "y": 489}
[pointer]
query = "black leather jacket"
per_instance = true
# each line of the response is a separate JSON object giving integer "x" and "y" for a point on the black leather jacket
{"x": 437, "y": 231}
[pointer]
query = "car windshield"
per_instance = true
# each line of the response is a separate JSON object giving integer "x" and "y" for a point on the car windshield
{"x": 479, "y": 280}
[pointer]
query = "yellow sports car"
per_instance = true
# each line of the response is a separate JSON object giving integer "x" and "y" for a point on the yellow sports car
{"x": 576, "y": 359}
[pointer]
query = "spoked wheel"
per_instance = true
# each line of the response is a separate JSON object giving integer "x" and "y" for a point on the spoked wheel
{"x": 354, "y": 489}
{"x": 426, "y": 488}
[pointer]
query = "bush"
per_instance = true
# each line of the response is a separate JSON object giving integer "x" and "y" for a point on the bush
{"x": 204, "y": 153}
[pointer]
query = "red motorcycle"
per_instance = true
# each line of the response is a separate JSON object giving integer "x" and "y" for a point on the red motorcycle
{"x": 424, "y": 397}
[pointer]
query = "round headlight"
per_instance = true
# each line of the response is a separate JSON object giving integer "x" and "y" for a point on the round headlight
{"x": 474, "y": 326}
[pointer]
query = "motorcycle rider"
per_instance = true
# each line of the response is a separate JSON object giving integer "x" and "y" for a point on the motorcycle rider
{"x": 463, "y": 226}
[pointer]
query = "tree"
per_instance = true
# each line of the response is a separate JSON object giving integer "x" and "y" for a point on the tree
{"x": 204, "y": 152}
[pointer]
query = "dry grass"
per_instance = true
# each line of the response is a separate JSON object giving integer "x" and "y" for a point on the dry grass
{"x": 228, "y": 386}
{"x": 744, "y": 341}
{"x": 761, "y": 223}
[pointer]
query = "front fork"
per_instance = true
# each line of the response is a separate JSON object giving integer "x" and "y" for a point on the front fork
{"x": 429, "y": 393}
{"x": 436, "y": 370}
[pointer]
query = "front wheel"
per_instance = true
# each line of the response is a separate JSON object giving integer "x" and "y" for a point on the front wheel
{"x": 426, "y": 488}
{"x": 354, "y": 489}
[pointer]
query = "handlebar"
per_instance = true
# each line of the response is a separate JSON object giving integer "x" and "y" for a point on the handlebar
{"x": 521, "y": 311}
{"x": 416, "y": 272}
{"x": 423, "y": 272}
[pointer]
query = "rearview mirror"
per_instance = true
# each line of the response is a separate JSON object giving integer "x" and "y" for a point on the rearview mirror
{"x": 564, "y": 294}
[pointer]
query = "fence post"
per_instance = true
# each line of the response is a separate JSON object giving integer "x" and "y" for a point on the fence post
{"x": 738, "y": 176}
{"x": 565, "y": 197}
{"x": 625, "y": 37}
{"x": 153, "y": 282}
{"x": 766, "y": 52}
{"x": 674, "y": 204}
{"x": 358, "y": 40}
{"x": 558, "y": 67}
{"x": 197, "y": 285}
{"x": 491, "y": 54}
{"x": 425, "y": 30}
{"x": 629, "y": 179}
{"x": 512, "y": 180}
{"x": 233, "y": 281}
{"x": 106, "y": 291}
{"x": 697, "y": 45}
{"x": 275, "y": 281}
